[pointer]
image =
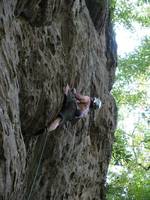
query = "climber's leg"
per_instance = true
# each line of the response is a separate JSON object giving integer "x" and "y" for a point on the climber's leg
{"x": 67, "y": 112}
{"x": 54, "y": 124}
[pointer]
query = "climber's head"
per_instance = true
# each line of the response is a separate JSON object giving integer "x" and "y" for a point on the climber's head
{"x": 95, "y": 103}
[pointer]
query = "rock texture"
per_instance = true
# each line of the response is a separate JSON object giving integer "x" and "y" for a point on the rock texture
{"x": 45, "y": 44}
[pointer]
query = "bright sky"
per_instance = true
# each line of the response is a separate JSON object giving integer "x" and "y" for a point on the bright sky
{"x": 127, "y": 41}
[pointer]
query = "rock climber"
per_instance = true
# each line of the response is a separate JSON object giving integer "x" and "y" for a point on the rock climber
{"x": 75, "y": 106}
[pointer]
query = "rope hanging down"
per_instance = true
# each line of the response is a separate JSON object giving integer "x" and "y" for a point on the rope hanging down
{"x": 36, "y": 173}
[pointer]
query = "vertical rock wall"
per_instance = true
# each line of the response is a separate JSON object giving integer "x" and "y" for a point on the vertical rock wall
{"x": 45, "y": 44}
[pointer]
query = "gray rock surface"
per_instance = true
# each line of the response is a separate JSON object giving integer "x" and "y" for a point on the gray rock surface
{"x": 45, "y": 44}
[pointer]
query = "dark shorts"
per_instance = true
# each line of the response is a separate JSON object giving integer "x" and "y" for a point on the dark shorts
{"x": 69, "y": 109}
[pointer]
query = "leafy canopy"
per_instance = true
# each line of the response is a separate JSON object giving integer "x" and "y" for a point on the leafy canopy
{"x": 131, "y": 150}
{"x": 127, "y": 12}
{"x": 129, "y": 171}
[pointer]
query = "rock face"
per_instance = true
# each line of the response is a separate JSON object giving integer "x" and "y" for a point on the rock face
{"x": 45, "y": 44}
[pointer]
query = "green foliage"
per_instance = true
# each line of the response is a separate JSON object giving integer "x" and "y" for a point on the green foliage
{"x": 129, "y": 186}
{"x": 132, "y": 147}
{"x": 126, "y": 12}
{"x": 132, "y": 76}
{"x": 129, "y": 171}
{"x": 120, "y": 154}
{"x": 135, "y": 65}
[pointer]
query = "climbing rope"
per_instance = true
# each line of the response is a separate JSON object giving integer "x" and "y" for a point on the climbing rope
{"x": 36, "y": 173}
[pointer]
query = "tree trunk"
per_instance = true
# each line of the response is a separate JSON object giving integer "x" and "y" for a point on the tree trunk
{"x": 45, "y": 44}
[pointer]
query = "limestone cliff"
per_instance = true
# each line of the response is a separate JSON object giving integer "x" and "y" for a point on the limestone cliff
{"x": 45, "y": 44}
